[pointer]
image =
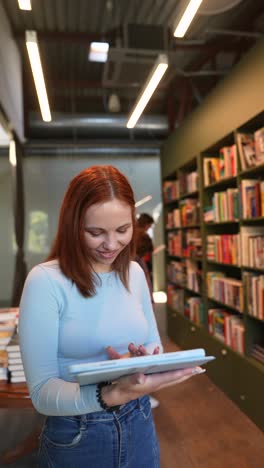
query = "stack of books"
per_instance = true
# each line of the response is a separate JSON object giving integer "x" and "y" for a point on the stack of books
{"x": 15, "y": 366}
{"x": 8, "y": 323}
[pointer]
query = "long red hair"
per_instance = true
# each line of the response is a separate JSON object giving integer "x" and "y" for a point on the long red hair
{"x": 96, "y": 184}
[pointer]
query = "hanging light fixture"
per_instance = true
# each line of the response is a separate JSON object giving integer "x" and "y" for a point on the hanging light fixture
{"x": 151, "y": 84}
{"x": 36, "y": 67}
{"x": 187, "y": 17}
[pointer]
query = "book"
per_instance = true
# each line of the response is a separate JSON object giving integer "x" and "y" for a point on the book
{"x": 259, "y": 145}
{"x": 9, "y": 313}
{"x": 14, "y": 354}
{"x": 13, "y": 345}
{"x": 246, "y": 150}
{"x": 17, "y": 379}
{"x": 3, "y": 373}
{"x": 248, "y": 233}
{"x": 15, "y": 367}
{"x": 14, "y": 360}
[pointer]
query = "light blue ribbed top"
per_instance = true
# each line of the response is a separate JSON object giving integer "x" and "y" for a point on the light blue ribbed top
{"x": 59, "y": 327}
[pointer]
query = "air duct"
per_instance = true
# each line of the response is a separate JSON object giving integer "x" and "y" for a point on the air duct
{"x": 41, "y": 148}
{"x": 96, "y": 126}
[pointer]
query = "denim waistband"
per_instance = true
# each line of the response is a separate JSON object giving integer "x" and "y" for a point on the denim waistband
{"x": 139, "y": 403}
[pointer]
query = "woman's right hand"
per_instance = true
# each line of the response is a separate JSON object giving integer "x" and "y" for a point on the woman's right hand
{"x": 135, "y": 386}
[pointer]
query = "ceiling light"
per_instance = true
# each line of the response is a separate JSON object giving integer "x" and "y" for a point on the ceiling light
{"x": 35, "y": 62}
{"x": 187, "y": 18}
{"x": 160, "y": 297}
{"x": 98, "y": 51}
{"x": 114, "y": 103}
{"x": 143, "y": 200}
{"x": 4, "y": 139}
{"x": 151, "y": 84}
{"x": 12, "y": 153}
{"x": 24, "y": 4}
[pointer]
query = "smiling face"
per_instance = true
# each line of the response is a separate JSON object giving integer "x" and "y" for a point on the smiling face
{"x": 108, "y": 230}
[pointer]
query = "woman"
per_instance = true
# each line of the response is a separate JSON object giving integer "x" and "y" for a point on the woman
{"x": 87, "y": 303}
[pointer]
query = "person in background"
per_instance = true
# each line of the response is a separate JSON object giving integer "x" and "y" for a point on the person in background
{"x": 144, "y": 223}
{"x": 143, "y": 247}
{"x": 88, "y": 302}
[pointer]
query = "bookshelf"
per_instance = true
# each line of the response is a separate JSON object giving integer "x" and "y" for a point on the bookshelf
{"x": 214, "y": 229}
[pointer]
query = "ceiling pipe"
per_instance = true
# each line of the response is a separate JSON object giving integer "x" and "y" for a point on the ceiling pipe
{"x": 96, "y": 125}
{"x": 93, "y": 149}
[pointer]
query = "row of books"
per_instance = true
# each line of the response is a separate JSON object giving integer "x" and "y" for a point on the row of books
{"x": 190, "y": 211}
{"x": 228, "y": 328}
{"x": 175, "y": 297}
{"x": 193, "y": 276}
{"x": 194, "y": 310}
{"x": 221, "y": 167}
{"x": 188, "y": 182}
{"x": 245, "y": 248}
{"x": 176, "y": 272}
{"x": 226, "y": 205}
{"x": 250, "y": 148}
{"x": 224, "y": 248}
{"x": 174, "y": 240}
{"x": 173, "y": 219}
{"x": 191, "y": 307}
{"x": 171, "y": 190}
{"x": 254, "y": 291}
{"x": 192, "y": 243}
{"x": 252, "y": 246}
{"x": 186, "y": 273}
{"x": 252, "y": 198}
{"x": 224, "y": 289}
{"x": 188, "y": 214}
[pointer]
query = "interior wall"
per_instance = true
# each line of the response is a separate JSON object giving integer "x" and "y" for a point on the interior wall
{"x": 235, "y": 100}
{"x": 11, "y": 92}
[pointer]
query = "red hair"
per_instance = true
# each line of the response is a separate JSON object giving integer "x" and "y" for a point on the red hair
{"x": 96, "y": 184}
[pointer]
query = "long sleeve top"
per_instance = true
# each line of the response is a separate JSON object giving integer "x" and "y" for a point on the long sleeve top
{"x": 59, "y": 327}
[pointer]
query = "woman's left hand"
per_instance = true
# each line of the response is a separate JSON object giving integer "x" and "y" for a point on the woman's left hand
{"x": 133, "y": 351}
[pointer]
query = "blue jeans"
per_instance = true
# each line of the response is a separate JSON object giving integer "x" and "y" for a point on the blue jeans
{"x": 123, "y": 439}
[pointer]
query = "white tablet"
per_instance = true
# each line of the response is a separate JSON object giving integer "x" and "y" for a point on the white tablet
{"x": 94, "y": 372}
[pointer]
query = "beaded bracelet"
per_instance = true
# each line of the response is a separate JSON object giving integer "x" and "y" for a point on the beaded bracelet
{"x": 100, "y": 400}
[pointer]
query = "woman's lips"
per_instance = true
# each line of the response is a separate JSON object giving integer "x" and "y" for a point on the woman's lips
{"x": 107, "y": 254}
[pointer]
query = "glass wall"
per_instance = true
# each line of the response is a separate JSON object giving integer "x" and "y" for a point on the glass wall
{"x": 7, "y": 239}
{"x": 46, "y": 180}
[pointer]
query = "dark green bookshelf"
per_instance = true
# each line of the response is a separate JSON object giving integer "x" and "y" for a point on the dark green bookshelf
{"x": 241, "y": 376}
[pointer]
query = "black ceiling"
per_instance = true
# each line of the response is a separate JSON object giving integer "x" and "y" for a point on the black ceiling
{"x": 211, "y": 48}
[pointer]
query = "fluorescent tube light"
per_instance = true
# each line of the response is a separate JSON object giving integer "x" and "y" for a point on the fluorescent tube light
{"x": 35, "y": 62}
{"x": 187, "y": 18}
{"x": 12, "y": 153}
{"x": 151, "y": 84}
{"x": 98, "y": 51}
{"x": 24, "y": 4}
{"x": 143, "y": 200}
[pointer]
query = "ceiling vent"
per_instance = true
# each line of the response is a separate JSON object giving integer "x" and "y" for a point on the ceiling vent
{"x": 145, "y": 36}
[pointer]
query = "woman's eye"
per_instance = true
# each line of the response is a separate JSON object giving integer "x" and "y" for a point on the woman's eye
{"x": 94, "y": 234}
{"x": 122, "y": 231}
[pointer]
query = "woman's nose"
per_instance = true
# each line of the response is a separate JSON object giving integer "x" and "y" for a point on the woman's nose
{"x": 111, "y": 243}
